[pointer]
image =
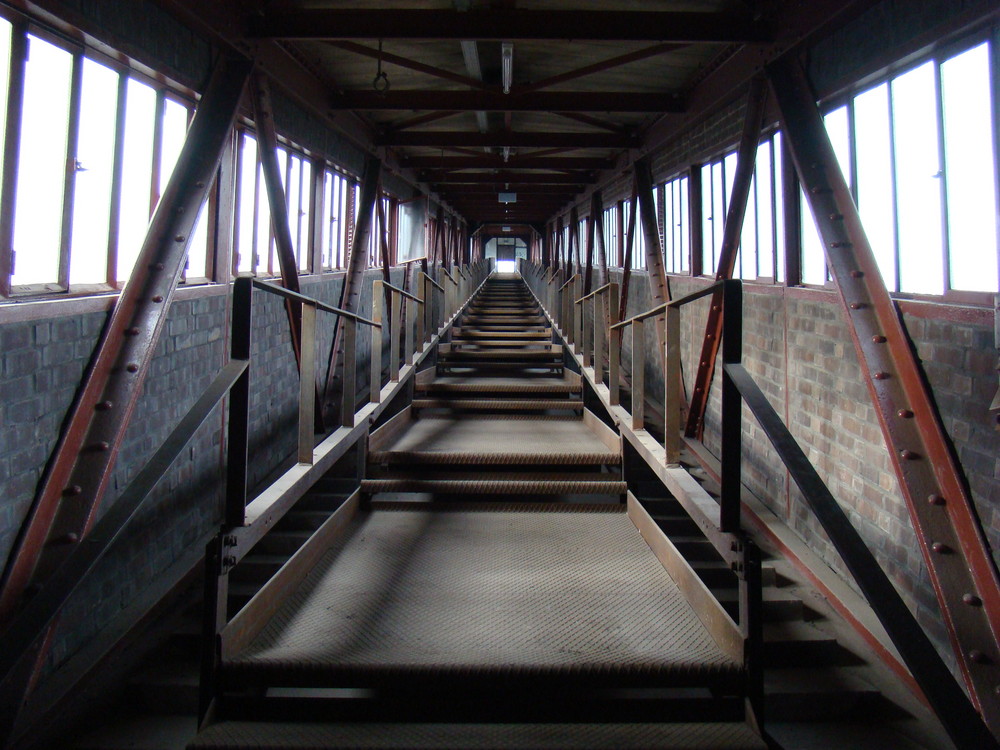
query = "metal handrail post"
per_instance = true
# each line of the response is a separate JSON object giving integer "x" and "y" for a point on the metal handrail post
{"x": 307, "y": 384}
{"x": 732, "y": 411}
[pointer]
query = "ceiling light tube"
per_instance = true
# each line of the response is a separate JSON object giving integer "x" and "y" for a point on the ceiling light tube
{"x": 507, "y": 59}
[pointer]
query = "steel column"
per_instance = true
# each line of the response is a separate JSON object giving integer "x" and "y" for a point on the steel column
{"x": 268, "y": 150}
{"x": 350, "y": 297}
{"x": 733, "y": 230}
{"x": 81, "y": 467}
{"x": 959, "y": 562}
{"x": 658, "y": 289}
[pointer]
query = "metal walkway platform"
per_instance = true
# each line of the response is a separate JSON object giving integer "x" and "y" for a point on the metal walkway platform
{"x": 490, "y": 589}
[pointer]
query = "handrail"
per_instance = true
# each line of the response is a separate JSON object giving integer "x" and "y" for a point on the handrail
{"x": 447, "y": 273}
{"x": 397, "y": 290}
{"x": 593, "y": 293}
{"x": 44, "y": 607}
{"x": 411, "y": 260}
{"x": 428, "y": 277}
{"x": 306, "y": 300}
{"x": 679, "y": 302}
{"x": 569, "y": 281}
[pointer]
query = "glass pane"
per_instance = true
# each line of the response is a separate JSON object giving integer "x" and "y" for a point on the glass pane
{"x": 969, "y": 159}
{"x": 263, "y": 234}
{"x": 747, "y": 265}
{"x": 88, "y": 260}
{"x": 327, "y": 225}
{"x": 718, "y": 213}
{"x": 197, "y": 266}
{"x": 305, "y": 216}
{"x": 137, "y": 174}
{"x": 837, "y": 129}
{"x": 41, "y": 165}
{"x": 683, "y": 224}
{"x": 293, "y": 192}
{"x": 765, "y": 211}
{"x": 813, "y": 258}
{"x": 175, "y": 123}
{"x": 874, "y": 188}
{"x": 5, "y": 37}
{"x": 918, "y": 188}
{"x": 779, "y": 212}
{"x": 706, "y": 219}
{"x": 246, "y": 204}
{"x": 730, "y": 169}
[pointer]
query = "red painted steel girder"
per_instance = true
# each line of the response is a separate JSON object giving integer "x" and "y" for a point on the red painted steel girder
{"x": 509, "y": 25}
{"x": 731, "y": 233}
{"x": 497, "y": 101}
{"x": 951, "y": 540}
{"x": 82, "y": 464}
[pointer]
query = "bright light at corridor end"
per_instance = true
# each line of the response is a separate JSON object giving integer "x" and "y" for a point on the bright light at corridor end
{"x": 506, "y": 266}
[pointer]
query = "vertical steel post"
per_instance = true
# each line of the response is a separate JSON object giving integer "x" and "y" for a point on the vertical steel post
{"x": 614, "y": 346}
{"x": 672, "y": 379}
{"x": 307, "y": 385}
{"x": 638, "y": 375}
{"x": 350, "y": 372}
{"x": 395, "y": 324}
{"x": 732, "y": 410}
{"x": 376, "y": 349}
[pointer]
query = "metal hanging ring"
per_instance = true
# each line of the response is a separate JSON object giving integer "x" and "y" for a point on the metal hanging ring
{"x": 381, "y": 82}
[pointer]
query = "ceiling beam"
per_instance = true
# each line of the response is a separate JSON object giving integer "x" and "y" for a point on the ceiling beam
{"x": 600, "y": 67}
{"x": 496, "y": 101}
{"x": 421, "y": 120}
{"x": 441, "y": 177}
{"x": 405, "y": 62}
{"x": 446, "y": 139}
{"x": 564, "y": 190}
{"x": 495, "y": 161}
{"x": 509, "y": 25}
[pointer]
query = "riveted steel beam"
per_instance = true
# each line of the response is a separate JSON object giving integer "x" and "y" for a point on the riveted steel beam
{"x": 951, "y": 540}
{"x": 80, "y": 469}
{"x": 731, "y": 233}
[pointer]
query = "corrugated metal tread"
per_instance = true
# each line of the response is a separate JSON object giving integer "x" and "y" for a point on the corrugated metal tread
{"x": 319, "y": 736}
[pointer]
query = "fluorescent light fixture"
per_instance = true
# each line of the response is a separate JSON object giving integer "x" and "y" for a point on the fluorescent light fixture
{"x": 508, "y": 197}
{"x": 507, "y": 60}
{"x": 504, "y": 229}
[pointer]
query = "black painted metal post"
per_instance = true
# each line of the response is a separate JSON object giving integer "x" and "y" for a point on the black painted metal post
{"x": 237, "y": 449}
{"x": 731, "y": 453}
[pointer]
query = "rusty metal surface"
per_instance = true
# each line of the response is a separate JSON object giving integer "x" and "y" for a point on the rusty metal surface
{"x": 950, "y": 537}
{"x": 733, "y": 230}
{"x": 81, "y": 467}
{"x": 264, "y": 121}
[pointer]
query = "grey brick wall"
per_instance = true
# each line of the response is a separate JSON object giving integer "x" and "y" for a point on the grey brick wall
{"x": 42, "y": 362}
{"x": 800, "y": 353}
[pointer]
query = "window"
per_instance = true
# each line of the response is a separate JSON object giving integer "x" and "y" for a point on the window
{"x": 716, "y": 185}
{"x": 918, "y": 153}
{"x": 611, "y": 235}
{"x": 761, "y": 250}
{"x": 639, "y": 249}
{"x": 676, "y": 230}
{"x": 95, "y": 148}
{"x": 336, "y": 219}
